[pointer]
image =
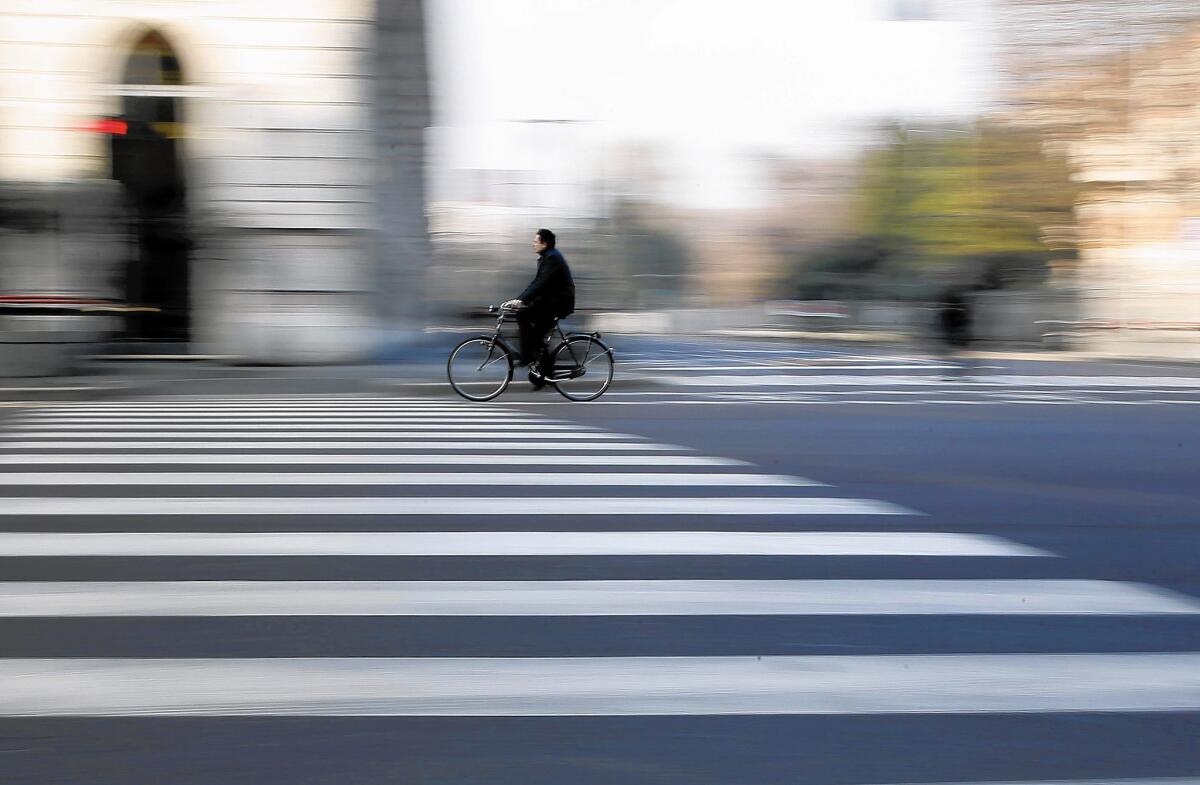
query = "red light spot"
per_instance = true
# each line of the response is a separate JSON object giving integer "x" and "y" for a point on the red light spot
{"x": 108, "y": 126}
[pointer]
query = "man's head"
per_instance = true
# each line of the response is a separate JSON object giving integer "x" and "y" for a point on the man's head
{"x": 543, "y": 240}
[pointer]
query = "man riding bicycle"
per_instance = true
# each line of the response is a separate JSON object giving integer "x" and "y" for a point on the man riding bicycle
{"x": 480, "y": 367}
{"x": 549, "y": 296}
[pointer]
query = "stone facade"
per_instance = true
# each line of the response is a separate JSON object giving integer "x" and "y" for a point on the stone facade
{"x": 302, "y": 141}
{"x": 1123, "y": 103}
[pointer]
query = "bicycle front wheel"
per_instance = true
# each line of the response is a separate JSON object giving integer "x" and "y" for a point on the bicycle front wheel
{"x": 582, "y": 368}
{"x": 479, "y": 369}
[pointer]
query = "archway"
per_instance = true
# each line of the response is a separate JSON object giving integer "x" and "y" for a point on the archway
{"x": 146, "y": 161}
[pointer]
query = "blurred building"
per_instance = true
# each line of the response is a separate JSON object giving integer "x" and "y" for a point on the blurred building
{"x": 482, "y": 216}
{"x": 250, "y": 170}
{"x": 1115, "y": 87}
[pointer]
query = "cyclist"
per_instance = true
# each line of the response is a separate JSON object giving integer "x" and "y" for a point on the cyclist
{"x": 549, "y": 296}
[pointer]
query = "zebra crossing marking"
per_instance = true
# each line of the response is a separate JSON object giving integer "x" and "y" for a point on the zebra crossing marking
{"x": 484, "y": 686}
{"x": 564, "y": 479}
{"x": 324, "y": 419}
{"x": 589, "y": 598}
{"x": 397, "y": 434}
{"x": 760, "y": 367}
{"x": 317, "y": 459}
{"x": 110, "y": 506}
{"x": 511, "y": 543}
{"x": 396, "y": 445}
{"x": 600, "y": 686}
{"x": 838, "y": 380}
{"x": 384, "y": 425}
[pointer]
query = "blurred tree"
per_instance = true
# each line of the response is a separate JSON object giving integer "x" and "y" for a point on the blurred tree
{"x": 846, "y": 269}
{"x": 984, "y": 201}
{"x": 657, "y": 262}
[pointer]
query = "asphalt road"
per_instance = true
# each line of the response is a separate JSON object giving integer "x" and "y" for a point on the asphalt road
{"x": 1018, "y": 601}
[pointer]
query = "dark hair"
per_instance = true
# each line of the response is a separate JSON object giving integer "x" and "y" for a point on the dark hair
{"x": 547, "y": 237}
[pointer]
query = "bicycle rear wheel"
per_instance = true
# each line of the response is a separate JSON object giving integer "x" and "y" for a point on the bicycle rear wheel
{"x": 581, "y": 368}
{"x": 479, "y": 369}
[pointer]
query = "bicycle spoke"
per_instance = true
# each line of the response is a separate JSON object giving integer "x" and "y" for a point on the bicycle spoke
{"x": 489, "y": 360}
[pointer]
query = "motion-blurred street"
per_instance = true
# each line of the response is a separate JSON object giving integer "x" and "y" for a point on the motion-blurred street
{"x": 846, "y": 571}
{"x": 564, "y": 392}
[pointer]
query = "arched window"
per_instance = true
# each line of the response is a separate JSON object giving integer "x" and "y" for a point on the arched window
{"x": 150, "y": 84}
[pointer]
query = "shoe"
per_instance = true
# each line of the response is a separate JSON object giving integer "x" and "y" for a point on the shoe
{"x": 536, "y": 379}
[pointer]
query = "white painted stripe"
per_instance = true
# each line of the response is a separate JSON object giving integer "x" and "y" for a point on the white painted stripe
{"x": 252, "y": 419}
{"x": 258, "y": 405}
{"x": 275, "y": 417}
{"x": 393, "y": 443}
{"x": 588, "y": 598}
{"x": 781, "y": 367}
{"x": 785, "y": 380}
{"x": 512, "y": 543}
{"x": 874, "y": 380}
{"x": 442, "y": 505}
{"x": 449, "y": 400}
{"x": 733, "y": 399}
{"x": 295, "y": 411}
{"x": 50, "y": 415}
{"x": 318, "y": 459}
{"x": 365, "y": 397}
{"x": 574, "y": 686}
{"x": 554, "y": 478}
{"x": 500, "y": 436}
{"x": 201, "y": 410}
{"x": 249, "y": 408}
{"x": 794, "y": 357}
{"x": 1147, "y": 382}
{"x": 309, "y": 425}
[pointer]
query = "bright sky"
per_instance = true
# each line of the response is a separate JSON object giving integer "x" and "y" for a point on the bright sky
{"x": 712, "y": 80}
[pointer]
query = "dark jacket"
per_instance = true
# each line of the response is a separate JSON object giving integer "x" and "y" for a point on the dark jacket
{"x": 552, "y": 290}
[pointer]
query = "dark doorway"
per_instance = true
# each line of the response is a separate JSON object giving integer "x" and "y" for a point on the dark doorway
{"x": 146, "y": 161}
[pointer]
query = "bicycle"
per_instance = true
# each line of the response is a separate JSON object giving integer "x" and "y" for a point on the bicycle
{"x": 580, "y": 367}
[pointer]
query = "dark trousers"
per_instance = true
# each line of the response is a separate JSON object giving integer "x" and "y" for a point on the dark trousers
{"x": 534, "y": 326}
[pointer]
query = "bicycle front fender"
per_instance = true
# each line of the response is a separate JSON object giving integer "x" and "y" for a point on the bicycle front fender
{"x": 501, "y": 343}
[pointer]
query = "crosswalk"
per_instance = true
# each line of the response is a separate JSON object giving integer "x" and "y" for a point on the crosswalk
{"x": 87, "y": 490}
{"x": 794, "y": 375}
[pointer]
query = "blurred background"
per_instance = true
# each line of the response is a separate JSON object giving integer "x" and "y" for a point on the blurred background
{"x": 311, "y": 181}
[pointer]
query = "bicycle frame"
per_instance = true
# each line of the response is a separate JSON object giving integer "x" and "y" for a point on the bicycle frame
{"x": 579, "y": 364}
{"x": 555, "y": 369}
{"x": 510, "y": 313}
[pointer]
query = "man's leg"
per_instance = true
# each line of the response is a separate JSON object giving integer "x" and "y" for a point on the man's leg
{"x": 542, "y": 329}
{"x": 525, "y": 327}
{"x": 533, "y": 327}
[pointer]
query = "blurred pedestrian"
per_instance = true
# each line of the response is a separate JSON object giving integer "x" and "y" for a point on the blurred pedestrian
{"x": 549, "y": 296}
{"x": 954, "y": 322}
